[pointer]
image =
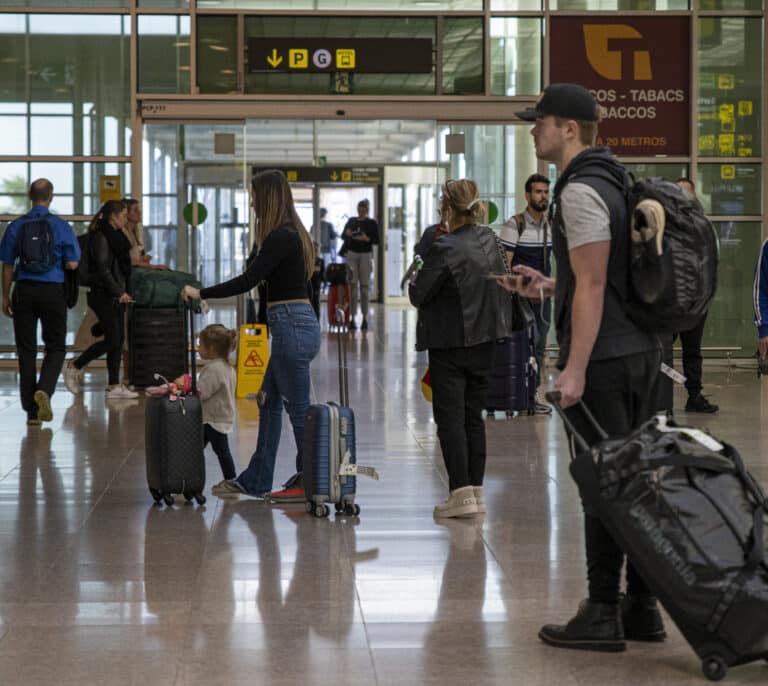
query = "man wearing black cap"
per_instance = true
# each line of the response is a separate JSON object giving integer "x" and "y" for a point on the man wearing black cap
{"x": 605, "y": 359}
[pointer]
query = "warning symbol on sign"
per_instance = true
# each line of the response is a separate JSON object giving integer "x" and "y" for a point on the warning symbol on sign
{"x": 253, "y": 360}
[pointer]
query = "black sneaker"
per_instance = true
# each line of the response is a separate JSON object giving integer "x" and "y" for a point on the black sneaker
{"x": 641, "y": 619}
{"x": 364, "y": 325}
{"x": 596, "y": 626}
{"x": 698, "y": 403}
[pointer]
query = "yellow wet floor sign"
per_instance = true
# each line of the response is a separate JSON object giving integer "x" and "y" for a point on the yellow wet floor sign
{"x": 252, "y": 358}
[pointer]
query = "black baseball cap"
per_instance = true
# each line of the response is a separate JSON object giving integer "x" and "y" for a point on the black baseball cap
{"x": 566, "y": 100}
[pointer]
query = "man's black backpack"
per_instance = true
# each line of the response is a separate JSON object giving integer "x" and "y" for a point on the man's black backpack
{"x": 673, "y": 255}
{"x": 35, "y": 244}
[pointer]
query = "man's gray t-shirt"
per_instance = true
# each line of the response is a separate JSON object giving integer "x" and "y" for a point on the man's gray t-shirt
{"x": 585, "y": 215}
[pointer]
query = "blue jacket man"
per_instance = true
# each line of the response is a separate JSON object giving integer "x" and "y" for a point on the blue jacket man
{"x": 760, "y": 299}
{"x": 38, "y": 295}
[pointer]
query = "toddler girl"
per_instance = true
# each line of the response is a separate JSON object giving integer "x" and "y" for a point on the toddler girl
{"x": 217, "y": 392}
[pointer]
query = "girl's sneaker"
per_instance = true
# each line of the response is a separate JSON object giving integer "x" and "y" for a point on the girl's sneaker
{"x": 120, "y": 392}
{"x": 228, "y": 488}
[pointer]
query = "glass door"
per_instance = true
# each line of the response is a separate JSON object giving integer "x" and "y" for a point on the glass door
{"x": 219, "y": 246}
{"x": 411, "y": 206}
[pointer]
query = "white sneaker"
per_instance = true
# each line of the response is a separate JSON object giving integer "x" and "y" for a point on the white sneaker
{"x": 120, "y": 392}
{"x": 73, "y": 378}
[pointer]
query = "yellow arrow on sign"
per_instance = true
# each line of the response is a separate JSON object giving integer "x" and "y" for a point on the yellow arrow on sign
{"x": 275, "y": 59}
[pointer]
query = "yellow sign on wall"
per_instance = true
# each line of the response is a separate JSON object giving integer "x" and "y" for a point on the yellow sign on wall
{"x": 109, "y": 188}
{"x": 252, "y": 359}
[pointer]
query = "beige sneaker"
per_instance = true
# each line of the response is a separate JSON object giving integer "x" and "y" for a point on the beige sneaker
{"x": 460, "y": 503}
{"x": 479, "y": 498}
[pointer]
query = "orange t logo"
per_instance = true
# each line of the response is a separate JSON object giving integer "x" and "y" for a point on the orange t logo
{"x": 607, "y": 62}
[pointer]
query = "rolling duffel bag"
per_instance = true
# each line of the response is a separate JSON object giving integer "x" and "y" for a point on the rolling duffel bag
{"x": 693, "y": 522}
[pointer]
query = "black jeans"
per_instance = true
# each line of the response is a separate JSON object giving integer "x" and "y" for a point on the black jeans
{"x": 34, "y": 301}
{"x": 621, "y": 393}
{"x": 220, "y": 444}
{"x": 459, "y": 385}
{"x": 110, "y": 314}
{"x": 692, "y": 360}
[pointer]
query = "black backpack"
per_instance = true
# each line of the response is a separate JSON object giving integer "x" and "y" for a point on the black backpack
{"x": 35, "y": 244}
{"x": 672, "y": 277}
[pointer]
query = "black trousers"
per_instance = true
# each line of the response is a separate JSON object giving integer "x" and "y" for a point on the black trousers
{"x": 33, "y": 302}
{"x": 692, "y": 359}
{"x": 220, "y": 444}
{"x": 621, "y": 393}
{"x": 459, "y": 386}
{"x": 110, "y": 315}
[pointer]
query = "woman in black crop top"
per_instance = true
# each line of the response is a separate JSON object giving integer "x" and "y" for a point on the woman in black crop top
{"x": 285, "y": 261}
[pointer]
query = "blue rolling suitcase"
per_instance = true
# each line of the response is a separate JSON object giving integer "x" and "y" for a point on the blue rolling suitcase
{"x": 330, "y": 461}
{"x": 512, "y": 381}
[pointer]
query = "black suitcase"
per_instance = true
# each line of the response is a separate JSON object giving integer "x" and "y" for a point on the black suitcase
{"x": 693, "y": 521}
{"x": 512, "y": 381}
{"x": 173, "y": 437}
{"x": 156, "y": 344}
{"x": 330, "y": 466}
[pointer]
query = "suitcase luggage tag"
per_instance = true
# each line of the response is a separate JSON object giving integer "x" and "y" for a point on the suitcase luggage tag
{"x": 347, "y": 468}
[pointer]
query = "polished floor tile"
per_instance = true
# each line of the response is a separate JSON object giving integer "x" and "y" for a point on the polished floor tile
{"x": 99, "y": 586}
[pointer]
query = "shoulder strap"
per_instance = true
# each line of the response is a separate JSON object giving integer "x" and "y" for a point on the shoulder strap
{"x": 597, "y": 172}
{"x": 502, "y": 253}
{"x": 520, "y": 221}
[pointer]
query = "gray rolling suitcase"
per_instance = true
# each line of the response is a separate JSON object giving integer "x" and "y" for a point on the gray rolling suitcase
{"x": 330, "y": 459}
{"x": 173, "y": 438}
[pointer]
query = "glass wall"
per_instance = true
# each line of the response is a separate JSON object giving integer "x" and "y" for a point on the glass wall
{"x": 64, "y": 92}
{"x": 66, "y": 99}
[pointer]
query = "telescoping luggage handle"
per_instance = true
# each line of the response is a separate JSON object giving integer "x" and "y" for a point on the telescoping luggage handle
{"x": 554, "y": 397}
{"x": 343, "y": 378}
{"x": 190, "y": 358}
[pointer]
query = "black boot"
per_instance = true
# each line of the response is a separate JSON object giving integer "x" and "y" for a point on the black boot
{"x": 642, "y": 619}
{"x": 596, "y": 626}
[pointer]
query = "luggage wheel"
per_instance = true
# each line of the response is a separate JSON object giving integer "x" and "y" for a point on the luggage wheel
{"x": 321, "y": 511}
{"x": 352, "y": 509}
{"x": 168, "y": 499}
{"x": 714, "y": 667}
{"x": 156, "y": 495}
{"x": 200, "y": 498}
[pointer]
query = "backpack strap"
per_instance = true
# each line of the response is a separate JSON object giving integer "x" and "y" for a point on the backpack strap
{"x": 520, "y": 222}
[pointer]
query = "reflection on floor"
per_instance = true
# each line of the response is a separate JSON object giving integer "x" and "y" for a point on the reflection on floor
{"x": 97, "y": 586}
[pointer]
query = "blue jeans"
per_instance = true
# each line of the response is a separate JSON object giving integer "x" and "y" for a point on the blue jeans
{"x": 295, "y": 342}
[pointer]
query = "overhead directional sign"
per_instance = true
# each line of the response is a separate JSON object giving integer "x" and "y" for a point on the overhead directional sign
{"x": 330, "y": 174}
{"x": 327, "y": 55}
